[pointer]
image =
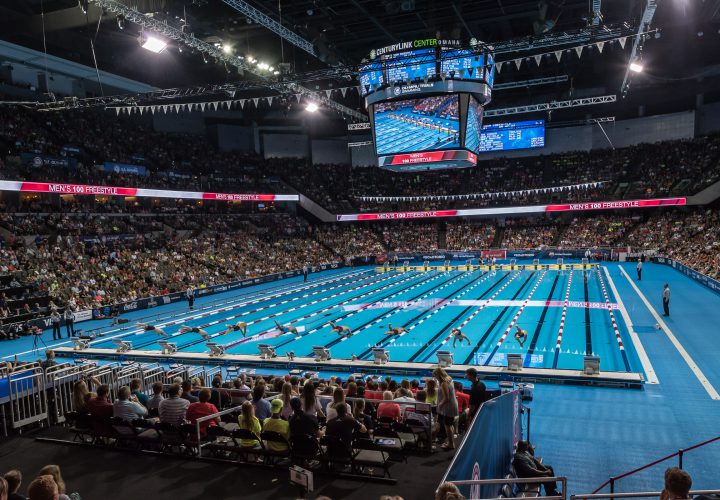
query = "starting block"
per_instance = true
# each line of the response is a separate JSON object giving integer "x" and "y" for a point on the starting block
{"x": 79, "y": 344}
{"x": 167, "y": 347}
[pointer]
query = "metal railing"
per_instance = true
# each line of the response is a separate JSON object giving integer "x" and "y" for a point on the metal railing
{"x": 680, "y": 453}
{"x": 475, "y": 485}
{"x": 27, "y": 397}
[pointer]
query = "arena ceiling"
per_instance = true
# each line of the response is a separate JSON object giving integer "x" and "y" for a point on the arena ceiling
{"x": 684, "y": 55}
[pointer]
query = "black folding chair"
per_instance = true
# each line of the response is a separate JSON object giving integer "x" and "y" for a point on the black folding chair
{"x": 305, "y": 450}
{"x": 272, "y": 440}
{"x": 369, "y": 456}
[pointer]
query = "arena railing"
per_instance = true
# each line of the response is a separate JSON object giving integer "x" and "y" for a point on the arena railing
{"x": 26, "y": 396}
{"x": 638, "y": 494}
{"x": 679, "y": 454}
{"x": 476, "y": 484}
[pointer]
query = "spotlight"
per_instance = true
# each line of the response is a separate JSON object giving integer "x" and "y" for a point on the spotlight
{"x": 83, "y": 4}
{"x": 122, "y": 345}
{"x": 311, "y": 107}
{"x": 227, "y": 49}
{"x": 154, "y": 44}
{"x": 276, "y": 72}
{"x": 636, "y": 67}
{"x": 205, "y": 60}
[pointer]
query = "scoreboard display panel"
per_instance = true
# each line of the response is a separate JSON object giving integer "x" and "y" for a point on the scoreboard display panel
{"x": 371, "y": 75}
{"x": 473, "y": 129}
{"x": 517, "y": 135}
{"x": 411, "y": 65}
{"x": 464, "y": 63}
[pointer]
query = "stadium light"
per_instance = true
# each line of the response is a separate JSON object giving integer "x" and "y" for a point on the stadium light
{"x": 227, "y": 49}
{"x": 154, "y": 44}
{"x": 311, "y": 107}
{"x": 636, "y": 67}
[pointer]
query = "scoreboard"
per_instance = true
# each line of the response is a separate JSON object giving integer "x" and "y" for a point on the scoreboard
{"x": 425, "y": 99}
{"x": 517, "y": 135}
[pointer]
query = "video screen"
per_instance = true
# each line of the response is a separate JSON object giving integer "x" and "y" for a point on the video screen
{"x": 474, "y": 126}
{"x": 490, "y": 78}
{"x": 463, "y": 63}
{"x": 370, "y": 75}
{"x": 412, "y": 65}
{"x": 426, "y": 124}
{"x": 517, "y": 135}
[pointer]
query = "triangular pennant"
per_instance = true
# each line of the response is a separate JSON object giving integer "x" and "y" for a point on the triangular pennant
{"x": 242, "y": 103}
{"x": 518, "y": 62}
{"x": 255, "y": 101}
{"x": 269, "y": 100}
{"x": 470, "y": 72}
{"x": 165, "y": 108}
{"x": 202, "y": 106}
{"x": 117, "y": 111}
{"x": 328, "y": 92}
{"x": 298, "y": 97}
{"x": 443, "y": 76}
{"x": 177, "y": 108}
{"x": 578, "y": 50}
{"x": 425, "y": 79}
{"x": 499, "y": 66}
{"x": 462, "y": 72}
{"x": 600, "y": 46}
{"x": 538, "y": 58}
{"x": 622, "y": 41}
{"x": 343, "y": 91}
{"x": 227, "y": 104}
{"x": 558, "y": 55}
{"x": 152, "y": 109}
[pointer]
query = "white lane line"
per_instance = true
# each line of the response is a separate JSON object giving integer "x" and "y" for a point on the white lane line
{"x": 652, "y": 377}
{"x": 693, "y": 366}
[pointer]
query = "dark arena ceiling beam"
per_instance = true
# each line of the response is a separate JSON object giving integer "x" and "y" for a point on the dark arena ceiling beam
{"x": 188, "y": 39}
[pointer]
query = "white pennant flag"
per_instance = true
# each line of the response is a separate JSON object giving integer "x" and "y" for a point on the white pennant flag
{"x": 256, "y": 100}
{"x": 622, "y": 41}
{"x": 600, "y": 46}
{"x": 177, "y": 108}
{"x": 165, "y": 108}
{"x": 117, "y": 111}
{"x": 227, "y": 104}
{"x": 558, "y": 55}
{"x": 343, "y": 91}
{"x": 518, "y": 62}
{"x": 499, "y": 65}
{"x": 538, "y": 58}
{"x": 269, "y": 100}
{"x": 578, "y": 50}
{"x": 328, "y": 92}
{"x": 202, "y": 106}
{"x": 141, "y": 108}
{"x": 298, "y": 96}
{"x": 242, "y": 103}
{"x": 152, "y": 109}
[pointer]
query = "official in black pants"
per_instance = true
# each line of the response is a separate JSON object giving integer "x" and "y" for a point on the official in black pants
{"x": 69, "y": 322}
{"x": 666, "y": 300}
{"x": 639, "y": 270}
{"x": 55, "y": 320}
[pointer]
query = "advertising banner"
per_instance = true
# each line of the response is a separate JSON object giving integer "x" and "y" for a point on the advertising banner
{"x": 709, "y": 282}
{"x": 122, "y": 168}
{"x": 489, "y": 254}
{"x": 40, "y": 160}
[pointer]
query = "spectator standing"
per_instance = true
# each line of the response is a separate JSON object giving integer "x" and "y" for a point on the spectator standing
{"x": 478, "y": 391}
{"x": 447, "y": 406}
{"x": 639, "y": 270}
{"x": 666, "y": 300}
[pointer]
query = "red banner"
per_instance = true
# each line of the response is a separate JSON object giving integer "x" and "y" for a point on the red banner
{"x": 610, "y": 205}
{"x": 45, "y": 187}
{"x": 489, "y": 254}
{"x": 406, "y": 215}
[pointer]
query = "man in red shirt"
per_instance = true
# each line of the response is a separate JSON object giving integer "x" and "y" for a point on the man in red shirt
{"x": 202, "y": 409}
{"x": 388, "y": 409}
{"x": 101, "y": 407}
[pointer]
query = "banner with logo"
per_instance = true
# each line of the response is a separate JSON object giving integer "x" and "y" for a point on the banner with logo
{"x": 41, "y": 160}
{"x": 709, "y": 282}
{"x": 71, "y": 150}
{"x": 122, "y": 168}
{"x": 489, "y": 254}
{"x": 487, "y": 449}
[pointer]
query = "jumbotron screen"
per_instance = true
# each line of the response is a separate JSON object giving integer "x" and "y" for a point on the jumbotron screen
{"x": 516, "y": 135}
{"x": 424, "y": 124}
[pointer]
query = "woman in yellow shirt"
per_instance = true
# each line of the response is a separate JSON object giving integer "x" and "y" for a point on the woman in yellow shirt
{"x": 432, "y": 392}
{"x": 248, "y": 420}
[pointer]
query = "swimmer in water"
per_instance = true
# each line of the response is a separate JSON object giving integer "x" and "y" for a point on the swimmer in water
{"x": 153, "y": 328}
{"x": 520, "y": 335}
{"x": 240, "y": 326}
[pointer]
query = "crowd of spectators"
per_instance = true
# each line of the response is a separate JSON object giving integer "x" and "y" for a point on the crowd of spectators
{"x": 350, "y": 240}
{"x": 597, "y": 231}
{"x": 465, "y": 236}
{"x": 524, "y": 233}
{"x": 48, "y": 484}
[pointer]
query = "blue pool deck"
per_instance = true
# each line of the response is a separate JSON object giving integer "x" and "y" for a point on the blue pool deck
{"x": 586, "y": 433}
